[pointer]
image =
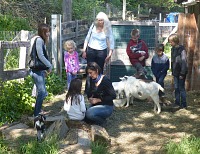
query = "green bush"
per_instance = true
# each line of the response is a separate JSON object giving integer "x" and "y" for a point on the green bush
{"x": 16, "y": 99}
{"x": 10, "y": 23}
{"x": 190, "y": 145}
{"x": 55, "y": 85}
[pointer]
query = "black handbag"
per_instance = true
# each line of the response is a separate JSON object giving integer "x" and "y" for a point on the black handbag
{"x": 35, "y": 63}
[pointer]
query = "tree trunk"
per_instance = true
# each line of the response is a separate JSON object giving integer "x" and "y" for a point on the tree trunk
{"x": 67, "y": 10}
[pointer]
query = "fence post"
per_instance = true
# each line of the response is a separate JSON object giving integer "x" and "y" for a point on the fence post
{"x": 1, "y": 62}
{"x": 76, "y": 33}
{"x": 57, "y": 57}
{"x": 22, "y": 56}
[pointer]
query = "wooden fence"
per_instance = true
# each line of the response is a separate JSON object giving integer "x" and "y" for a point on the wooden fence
{"x": 22, "y": 71}
{"x": 60, "y": 32}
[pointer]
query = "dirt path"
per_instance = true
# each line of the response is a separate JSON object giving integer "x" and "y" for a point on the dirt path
{"x": 138, "y": 130}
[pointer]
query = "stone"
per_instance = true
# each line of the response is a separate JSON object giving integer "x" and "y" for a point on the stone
{"x": 17, "y": 130}
{"x": 83, "y": 138}
{"x": 59, "y": 127}
{"x": 72, "y": 137}
{"x": 99, "y": 134}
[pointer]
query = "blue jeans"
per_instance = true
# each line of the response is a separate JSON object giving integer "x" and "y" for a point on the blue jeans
{"x": 39, "y": 80}
{"x": 70, "y": 77}
{"x": 180, "y": 92}
{"x": 140, "y": 70}
{"x": 160, "y": 81}
{"x": 98, "y": 114}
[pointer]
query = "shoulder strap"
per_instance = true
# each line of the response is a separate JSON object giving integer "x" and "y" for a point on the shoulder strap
{"x": 90, "y": 34}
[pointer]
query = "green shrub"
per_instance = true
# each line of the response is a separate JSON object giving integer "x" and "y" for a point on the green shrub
{"x": 190, "y": 145}
{"x": 16, "y": 99}
{"x": 55, "y": 84}
{"x": 10, "y": 23}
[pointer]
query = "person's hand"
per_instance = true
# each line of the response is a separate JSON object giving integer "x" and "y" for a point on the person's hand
{"x": 143, "y": 53}
{"x": 84, "y": 54}
{"x": 94, "y": 100}
{"x": 107, "y": 59}
{"x": 181, "y": 77}
{"x": 48, "y": 71}
{"x": 74, "y": 73}
{"x": 141, "y": 58}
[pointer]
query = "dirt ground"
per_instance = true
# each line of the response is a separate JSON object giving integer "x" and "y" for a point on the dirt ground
{"x": 138, "y": 130}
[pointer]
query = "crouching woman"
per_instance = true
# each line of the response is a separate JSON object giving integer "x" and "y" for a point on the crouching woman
{"x": 100, "y": 95}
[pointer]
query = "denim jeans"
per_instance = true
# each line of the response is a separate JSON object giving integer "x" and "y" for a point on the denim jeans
{"x": 160, "y": 81}
{"x": 180, "y": 92}
{"x": 98, "y": 114}
{"x": 39, "y": 79}
{"x": 140, "y": 69}
{"x": 70, "y": 77}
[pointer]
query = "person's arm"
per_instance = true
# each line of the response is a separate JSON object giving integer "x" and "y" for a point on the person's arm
{"x": 109, "y": 92}
{"x": 153, "y": 68}
{"x": 82, "y": 104}
{"x": 166, "y": 66}
{"x": 39, "y": 48}
{"x": 145, "y": 48}
{"x": 184, "y": 67}
{"x": 77, "y": 62}
{"x": 130, "y": 53}
{"x": 67, "y": 106}
{"x": 65, "y": 59}
{"x": 87, "y": 41}
{"x": 110, "y": 45}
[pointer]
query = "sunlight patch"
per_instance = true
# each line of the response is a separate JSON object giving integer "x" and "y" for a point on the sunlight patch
{"x": 146, "y": 115}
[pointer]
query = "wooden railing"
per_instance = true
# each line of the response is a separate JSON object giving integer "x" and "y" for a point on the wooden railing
{"x": 22, "y": 71}
{"x": 23, "y": 46}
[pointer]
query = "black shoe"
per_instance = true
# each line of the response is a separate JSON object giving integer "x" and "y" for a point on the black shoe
{"x": 175, "y": 106}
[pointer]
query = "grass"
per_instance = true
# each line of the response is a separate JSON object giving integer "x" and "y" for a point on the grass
{"x": 99, "y": 148}
{"x": 190, "y": 145}
{"x": 48, "y": 146}
{"x": 31, "y": 146}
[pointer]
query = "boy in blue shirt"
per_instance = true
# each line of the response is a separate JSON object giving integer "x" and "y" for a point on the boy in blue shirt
{"x": 160, "y": 66}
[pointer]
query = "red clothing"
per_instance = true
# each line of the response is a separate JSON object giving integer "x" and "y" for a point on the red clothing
{"x": 134, "y": 56}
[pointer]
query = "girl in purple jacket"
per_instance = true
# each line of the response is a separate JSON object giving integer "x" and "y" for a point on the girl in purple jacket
{"x": 71, "y": 61}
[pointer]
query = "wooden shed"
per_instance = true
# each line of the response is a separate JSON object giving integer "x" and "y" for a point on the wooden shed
{"x": 188, "y": 31}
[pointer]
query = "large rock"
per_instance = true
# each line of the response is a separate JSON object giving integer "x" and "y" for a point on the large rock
{"x": 71, "y": 138}
{"x": 17, "y": 130}
{"x": 99, "y": 134}
{"x": 59, "y": 128}
{"x": 83, "y": 138}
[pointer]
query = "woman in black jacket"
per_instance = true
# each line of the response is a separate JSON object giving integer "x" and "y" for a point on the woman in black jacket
{"x": 100, "y": 95}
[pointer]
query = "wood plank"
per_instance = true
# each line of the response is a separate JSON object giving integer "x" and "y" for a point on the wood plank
{"x": 15, "y": 74}
{"x": 11, "y": 44}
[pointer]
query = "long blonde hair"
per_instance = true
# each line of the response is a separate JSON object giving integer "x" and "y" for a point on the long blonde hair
{"x": 107, "y": 24}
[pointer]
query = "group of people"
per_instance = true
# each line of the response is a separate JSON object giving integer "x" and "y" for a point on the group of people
{"x": 98, "y": 48}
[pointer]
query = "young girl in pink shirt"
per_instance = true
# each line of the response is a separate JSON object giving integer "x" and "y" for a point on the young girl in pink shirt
{"x": 71, "y": 61}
